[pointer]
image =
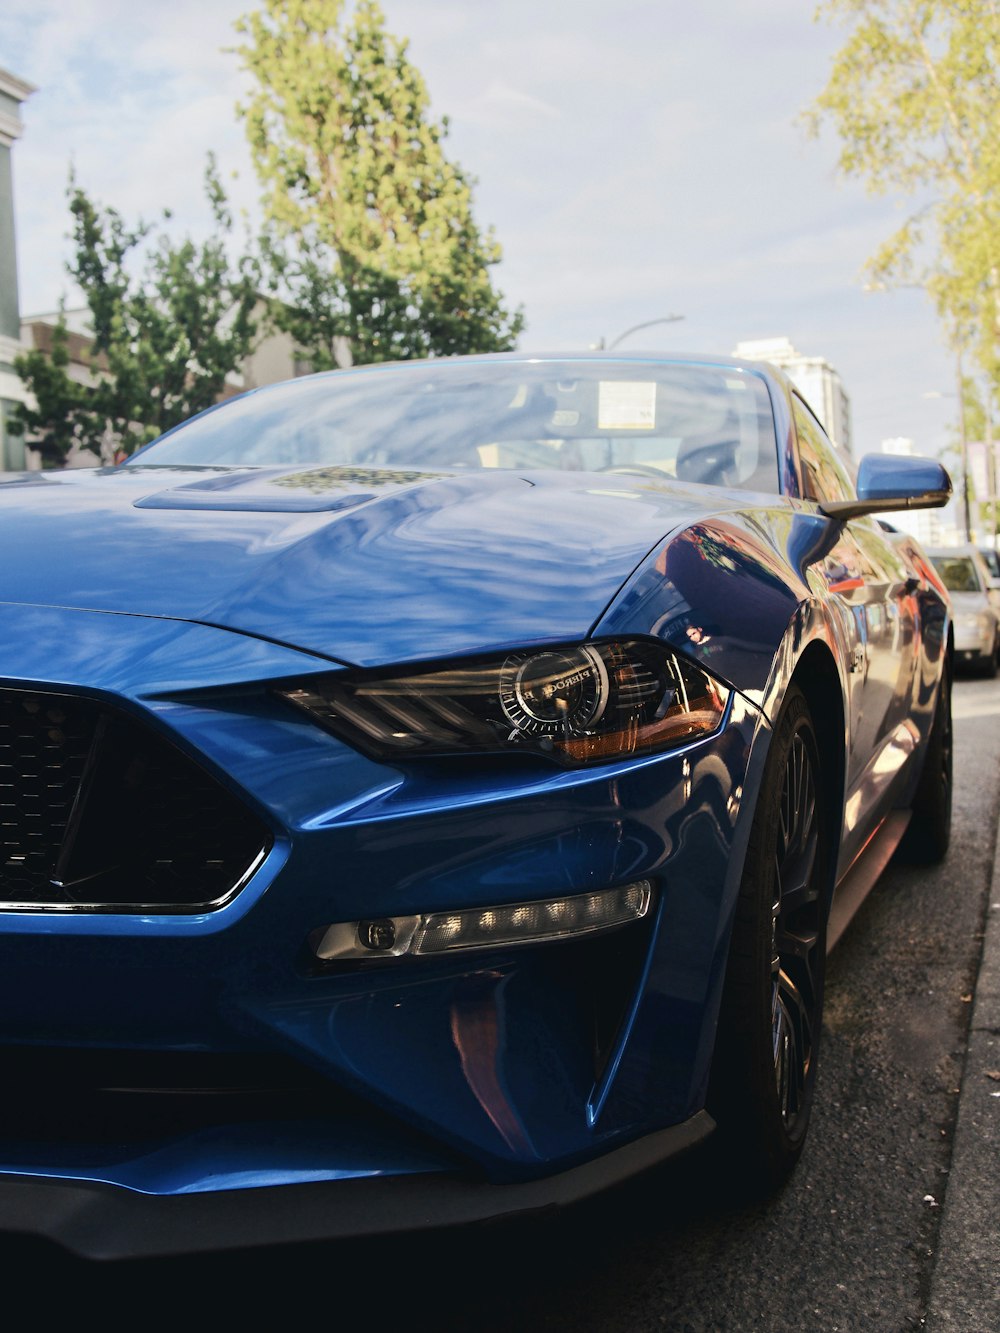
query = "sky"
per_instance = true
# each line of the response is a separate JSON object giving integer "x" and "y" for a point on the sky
{"x": 636, "y": 161}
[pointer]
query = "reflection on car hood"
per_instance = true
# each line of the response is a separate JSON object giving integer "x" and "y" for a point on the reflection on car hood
{"x": 363, "y": 566}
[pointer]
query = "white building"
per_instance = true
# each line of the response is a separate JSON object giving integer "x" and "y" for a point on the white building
{"x": 815, "y": 379}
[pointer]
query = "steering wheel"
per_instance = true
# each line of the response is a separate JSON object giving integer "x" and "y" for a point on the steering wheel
{"x": 637, "y": 470}
{"x": 715, "y": 475}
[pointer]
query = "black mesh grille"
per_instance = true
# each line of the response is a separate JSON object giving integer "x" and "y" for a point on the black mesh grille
{"x": 98, "y": 812}
{"x": 117, "y": 1097}
{"x": 44, "y": 744}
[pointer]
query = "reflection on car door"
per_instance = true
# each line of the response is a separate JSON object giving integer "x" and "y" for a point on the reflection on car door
{"x": 867, "y": 578}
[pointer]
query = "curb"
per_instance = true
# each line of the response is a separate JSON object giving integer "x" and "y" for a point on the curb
{"x": 965, "y": 1286}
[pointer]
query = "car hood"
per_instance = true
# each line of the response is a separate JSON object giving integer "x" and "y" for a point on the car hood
{"x": 969, "y": 603}
{"x": 362, "y": 566}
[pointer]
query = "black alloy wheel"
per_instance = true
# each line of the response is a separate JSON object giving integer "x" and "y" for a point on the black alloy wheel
{"x": 764, "y": 1066}
{"x": 795, "y": 931}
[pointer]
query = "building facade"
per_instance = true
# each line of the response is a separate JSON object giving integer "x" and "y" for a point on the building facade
{"x": 273, "y": 357}
{"x": 815, "y": 379}
{"x": 13, "y": 92}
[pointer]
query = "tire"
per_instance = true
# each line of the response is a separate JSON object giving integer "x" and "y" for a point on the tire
{"x": 764, "y": 1067}
{"x": 928, "y": 834}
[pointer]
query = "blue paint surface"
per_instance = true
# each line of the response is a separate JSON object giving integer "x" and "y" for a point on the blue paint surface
{"x": 180, "y": 595}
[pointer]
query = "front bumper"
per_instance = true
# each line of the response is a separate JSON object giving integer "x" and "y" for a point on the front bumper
{"x": 97, "y": 1221}
{"x": 442, "y": 1079}
{"x": 975, "y": 638}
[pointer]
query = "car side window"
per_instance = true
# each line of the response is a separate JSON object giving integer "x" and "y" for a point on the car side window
{"x": 824, "y": 476}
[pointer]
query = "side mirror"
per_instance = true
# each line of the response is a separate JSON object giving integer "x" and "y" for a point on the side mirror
{"x": 887, "y": 482}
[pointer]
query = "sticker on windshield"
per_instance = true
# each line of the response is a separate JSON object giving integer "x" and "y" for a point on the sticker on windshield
{"x": 627, "y": 405}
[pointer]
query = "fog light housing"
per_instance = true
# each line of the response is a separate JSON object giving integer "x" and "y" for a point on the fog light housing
{"x": 470, "y": 928}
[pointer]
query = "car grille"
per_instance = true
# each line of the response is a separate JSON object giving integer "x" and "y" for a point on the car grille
{"x": 91, "y": 1097}
{"x": 99, "y": 813}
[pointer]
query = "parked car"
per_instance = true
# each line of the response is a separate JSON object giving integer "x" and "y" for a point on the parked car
{"x": 976, "y": 598}
{"x": 991, "y": 559}
{"x": 430, "y": 792}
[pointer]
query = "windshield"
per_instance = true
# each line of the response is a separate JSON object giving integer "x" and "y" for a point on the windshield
{"x": 706, "y": 424}
{"x": 958, "y": 572}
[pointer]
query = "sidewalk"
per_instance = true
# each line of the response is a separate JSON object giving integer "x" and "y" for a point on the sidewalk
{"x": 965, "y": 1286}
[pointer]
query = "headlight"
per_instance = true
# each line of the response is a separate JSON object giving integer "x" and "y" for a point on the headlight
{"x": 582, "y": 704}
{"x": 978, "y": 622}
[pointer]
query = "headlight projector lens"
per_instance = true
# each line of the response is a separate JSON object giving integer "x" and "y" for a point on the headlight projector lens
{"x": 554, "y": 693}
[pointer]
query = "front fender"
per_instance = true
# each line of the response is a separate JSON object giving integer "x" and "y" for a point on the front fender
{"x": 742, "y": 594}
{"x": 736, "y": 592}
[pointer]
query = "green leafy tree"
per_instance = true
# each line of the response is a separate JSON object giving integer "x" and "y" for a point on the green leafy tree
{"x": 914, "y": 95}
{"x": 63, "y": 416}
{"x": 372, "y": 235}
{"x": 169, "y": 321}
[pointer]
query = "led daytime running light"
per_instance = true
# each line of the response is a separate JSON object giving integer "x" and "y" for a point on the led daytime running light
{"x": 485, "y": 927}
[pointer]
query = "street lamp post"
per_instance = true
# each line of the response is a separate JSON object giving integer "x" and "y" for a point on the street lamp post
{"x": 648, "y": 324}
{"x": 991, "y": 484}
{"x": 963, "y": 438}
{"x": 991, "y": 474}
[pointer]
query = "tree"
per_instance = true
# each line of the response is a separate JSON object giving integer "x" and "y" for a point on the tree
{"x": 63, "y": 416}
{"x": 168, "y": 322}
{"x": 915, "y": 96}
{"x": 372, "y": 235}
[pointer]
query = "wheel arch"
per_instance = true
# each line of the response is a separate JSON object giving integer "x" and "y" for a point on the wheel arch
{"x": 817, "y": 677}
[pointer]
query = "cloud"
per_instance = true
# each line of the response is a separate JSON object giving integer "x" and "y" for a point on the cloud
{"x": 501, "y": 105}
{"x": 635, "y": 160}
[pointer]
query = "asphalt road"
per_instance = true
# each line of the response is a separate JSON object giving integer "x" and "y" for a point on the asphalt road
{"x": 851, "y": 1243}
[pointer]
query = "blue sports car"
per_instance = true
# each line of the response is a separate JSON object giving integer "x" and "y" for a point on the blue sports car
{"x": 429, "y": 792}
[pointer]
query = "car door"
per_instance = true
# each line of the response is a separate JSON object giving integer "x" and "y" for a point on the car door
{"x": 868, "y": 580}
